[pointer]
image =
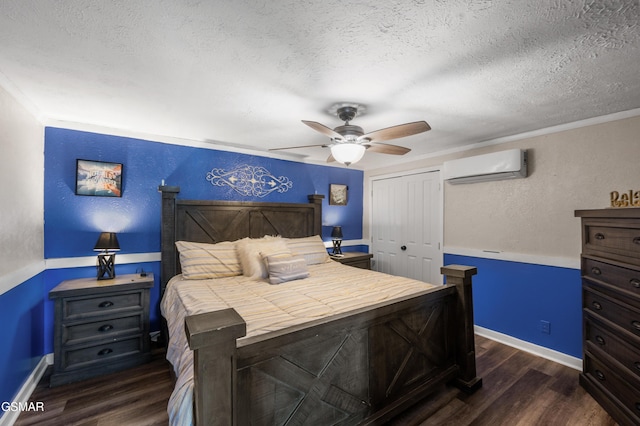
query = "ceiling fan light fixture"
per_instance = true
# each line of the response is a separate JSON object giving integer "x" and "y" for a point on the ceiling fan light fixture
{"x": 348, "y": 153}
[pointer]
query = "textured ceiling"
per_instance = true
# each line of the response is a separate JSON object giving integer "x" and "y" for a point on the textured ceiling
{"x": 245, "y": 72}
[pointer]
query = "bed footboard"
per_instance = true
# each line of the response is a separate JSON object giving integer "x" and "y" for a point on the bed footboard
{"x": 360, "y": 368}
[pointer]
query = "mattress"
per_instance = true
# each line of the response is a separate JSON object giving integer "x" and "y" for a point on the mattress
{"x": 331, "y": 288}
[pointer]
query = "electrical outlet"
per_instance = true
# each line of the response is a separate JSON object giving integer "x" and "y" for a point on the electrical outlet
{"x": 545, "y": 327}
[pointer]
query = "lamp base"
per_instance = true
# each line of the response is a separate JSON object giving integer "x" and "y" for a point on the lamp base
{"x": 336, "y": 247}
{"x": 106, "y": 266}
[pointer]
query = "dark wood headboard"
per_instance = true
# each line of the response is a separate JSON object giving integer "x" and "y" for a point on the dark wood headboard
{"x": 213, "y": 221}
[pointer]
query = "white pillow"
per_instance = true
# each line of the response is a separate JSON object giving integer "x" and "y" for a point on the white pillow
{"x": 251, "y": 250}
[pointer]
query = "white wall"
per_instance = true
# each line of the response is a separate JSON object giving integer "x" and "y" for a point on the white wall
{"x": 569, "y": 170}
{"x": 21, "y": 191}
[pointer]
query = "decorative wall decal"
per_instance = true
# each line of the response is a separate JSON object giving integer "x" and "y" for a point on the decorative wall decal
{"x": 250, "y": 180}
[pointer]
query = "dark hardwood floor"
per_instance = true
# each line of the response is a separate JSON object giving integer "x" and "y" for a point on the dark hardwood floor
{"x": 518, "y": 389}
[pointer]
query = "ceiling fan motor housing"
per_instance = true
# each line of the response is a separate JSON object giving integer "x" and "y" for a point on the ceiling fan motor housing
{"x": 349, "y": 132}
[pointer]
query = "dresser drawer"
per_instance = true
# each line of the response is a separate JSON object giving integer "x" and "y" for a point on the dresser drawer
{"x": 102, "y": 304}
{"x": 99, "y": 354}
{"x": 619, "y": 388}
{"x": 103, "y": 329}
{"x": 621, "y": 277}
{"x": 620, "y": 314}
{"x": 602, "y": 338}
{"x": 618, "y": 237}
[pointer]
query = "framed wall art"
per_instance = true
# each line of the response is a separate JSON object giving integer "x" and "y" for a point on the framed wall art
{"x": 98, "y": 178}
{"x": 338, "y": 194}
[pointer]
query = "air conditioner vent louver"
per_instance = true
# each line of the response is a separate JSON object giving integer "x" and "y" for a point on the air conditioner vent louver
{"x": 509, "y": 164}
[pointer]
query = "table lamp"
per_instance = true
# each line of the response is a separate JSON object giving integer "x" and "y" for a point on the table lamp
{"x": 336, "y": 236}
{"x": 108, "y": 241}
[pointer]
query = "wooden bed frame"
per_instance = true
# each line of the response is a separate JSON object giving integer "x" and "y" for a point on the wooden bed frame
{"x": 363, "y": 367}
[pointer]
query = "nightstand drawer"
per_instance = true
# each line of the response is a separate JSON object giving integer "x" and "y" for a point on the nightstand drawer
{"x": 97, "y": 355}
{"x": 103, "y": 304}
{"x": 103, "y": 329}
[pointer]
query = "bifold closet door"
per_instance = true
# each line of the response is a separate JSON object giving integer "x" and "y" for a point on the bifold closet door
{"x": 407, "y": 226}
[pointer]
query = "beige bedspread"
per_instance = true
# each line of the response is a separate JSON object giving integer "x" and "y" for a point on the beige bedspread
{"x": 331, "y": 288}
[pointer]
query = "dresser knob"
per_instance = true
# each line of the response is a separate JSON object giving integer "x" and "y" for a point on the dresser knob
{"x": 105, "y": 304}
{"x": 600, "y": 340}
{"x": 596, "y": 305}
{"x": 635, "y": 282}
{"x": 105, "y": 351}
{"x": 636, "y": 324}
{"x": 636, "y": 240}
{"x": 599, "y": 236}
{"x": 637, "y": 365}
{"x": 600, "y": 375}
{"x": 596, "y": 271}
{"x": 638, "y": 406}
{"x": 106, "y": 327}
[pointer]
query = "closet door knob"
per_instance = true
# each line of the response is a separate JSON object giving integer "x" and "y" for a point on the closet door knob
{"x": 403, "y": 248}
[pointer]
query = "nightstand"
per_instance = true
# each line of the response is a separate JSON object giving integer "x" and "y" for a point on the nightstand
{"x": 357, "y": 259}
{"x": 101, "y": 326}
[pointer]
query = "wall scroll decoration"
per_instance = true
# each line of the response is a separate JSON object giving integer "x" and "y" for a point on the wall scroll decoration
{"x": 250, "y": 180}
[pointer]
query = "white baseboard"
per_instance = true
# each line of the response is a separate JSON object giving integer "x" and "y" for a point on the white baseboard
{"x": 23, "y": 395}
{"x": 541, "y": 351}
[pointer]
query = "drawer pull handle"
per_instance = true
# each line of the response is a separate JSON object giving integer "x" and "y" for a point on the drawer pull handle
{"x": 635, "y": 282}
{"x": 106, "y": 327}
{"x": 597, "y": 305}
{"x": 636, "y": 240}
{"x": 636, "y": 324}
{"x": 105, "y": 351}
{"x": 600, "y": 340}
{"x": 105, "y": 304}
{"x": 600, "y": 375}
{"x": 596, "y": 271}
{"x": 599, "y": 236}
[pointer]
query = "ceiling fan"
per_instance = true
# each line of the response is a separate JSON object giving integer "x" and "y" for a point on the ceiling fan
{"x": 349, "y": 142}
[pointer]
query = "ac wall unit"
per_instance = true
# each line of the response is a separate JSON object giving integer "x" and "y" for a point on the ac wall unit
{"x": 509, "y": 164}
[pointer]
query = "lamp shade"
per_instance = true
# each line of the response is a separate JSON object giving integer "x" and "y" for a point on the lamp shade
{"x": 336, "y": 233}
{"x": 107, "y": 241}
{"x": 347, "y": 153}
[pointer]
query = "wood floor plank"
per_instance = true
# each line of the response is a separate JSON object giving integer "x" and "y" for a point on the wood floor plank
{"x": 519, "y": 389}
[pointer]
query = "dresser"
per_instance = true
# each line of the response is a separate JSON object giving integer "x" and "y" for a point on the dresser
{"x": 610, "y": 266}
{"x": 356, "y": 259}
{"x": 100, "y": 326}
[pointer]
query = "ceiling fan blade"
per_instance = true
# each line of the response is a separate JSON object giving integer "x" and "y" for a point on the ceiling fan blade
{"x": 324, "y": 145}
{"x": 384, "y": 148}
{"x": 396, "y": 132}
{"x": 323, "y": 129}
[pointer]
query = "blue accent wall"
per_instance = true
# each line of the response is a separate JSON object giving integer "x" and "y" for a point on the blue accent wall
{"x": 21, "y": 316}
{"x": 512, "y": 298}
{"x": 73, "y": 223}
